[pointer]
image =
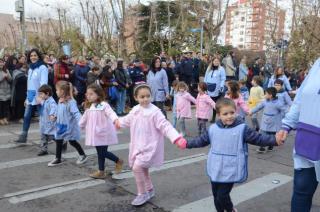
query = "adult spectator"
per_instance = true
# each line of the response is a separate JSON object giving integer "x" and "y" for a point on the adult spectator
{"x": 279, "y": 74}
{"x": 93, "y": 75}
{"x": 81, "y": 70}
{"x": 203, "y": 65}
{"x": 10, "y": 65}
{"x": 37, "y": 76}
{"x": 215, "y": 78}
{"x": 256, "y": 67}
{"x": 230, "y": 67}
{"x": 170, "y": 73}
{"x": 243, "y": 69}
{"x": 62, "y": 70}
{"x": 158, "y": 81}
{"x": 18, "y": 91}
{"x": 123, "y": 79}
{"x": 107, "y": 81}
{"x": 137, "y": 76}
{"x": 304, "y": 116}
{"x": 196, "y": 64}
{"x": 186, "y": 69}
{"x": 5, "y": 94}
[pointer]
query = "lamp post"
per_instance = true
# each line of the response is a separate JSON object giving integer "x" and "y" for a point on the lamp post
{"x": 19, "y": 7}
{"x": 202, "y": 20}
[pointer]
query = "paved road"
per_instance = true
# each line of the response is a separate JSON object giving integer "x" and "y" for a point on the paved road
{"x": 28, "y": 185}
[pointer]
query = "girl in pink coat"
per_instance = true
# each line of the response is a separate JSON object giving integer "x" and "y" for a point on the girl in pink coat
{"x": 204, "y": 107}
{"x": 234, "y": 94}
{"x": 183, "y": 106}
{"x": 147, "y": 126}
{"x": 98, "y": 122}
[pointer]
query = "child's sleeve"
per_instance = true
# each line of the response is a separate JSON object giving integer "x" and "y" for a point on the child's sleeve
{"x": 43, "y": 75}
{"x": 211, "y": 102}
{"x": 126, "y": 120}
{"x": 75, "y": 113}
{"x": 259, "y": 107}
{"x": 110, "y": 113}
{"x": 53, "y": 109}
{"x": 253, "y": 137}
{"x": 261, "y": 94}
{"x": 243, "y": 105}
{"x": 191, "y": 98}
{"x": 287, "y": 99}
{"x": 83, "y": 120}
{"x": 165, "y": 127}
{"x": 198, "y": 142}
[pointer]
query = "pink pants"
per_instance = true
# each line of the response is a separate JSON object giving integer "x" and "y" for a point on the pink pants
{"x": 142, "y": 178}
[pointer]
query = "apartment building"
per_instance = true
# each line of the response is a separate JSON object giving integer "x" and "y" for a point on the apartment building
{"x": 250, "y": 24}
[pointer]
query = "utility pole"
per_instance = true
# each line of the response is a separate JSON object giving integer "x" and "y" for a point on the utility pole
{"x": 201, "y": 36}
{"x": 19, "y": 4}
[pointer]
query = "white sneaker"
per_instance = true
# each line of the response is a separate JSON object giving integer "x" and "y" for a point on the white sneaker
{"x": 82, "y": 159}
{"x": 151, "y": 193}
{"x": 140, "y": 199}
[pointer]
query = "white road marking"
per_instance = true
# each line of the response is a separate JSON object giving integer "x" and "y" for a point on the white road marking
{"x": 240, "y": 193}
{"x": 167, "y": 165}
{"x": 28, "y": 161}
{"x": 44, "y": 191}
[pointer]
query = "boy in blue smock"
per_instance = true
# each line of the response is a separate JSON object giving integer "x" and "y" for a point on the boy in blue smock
{"x": 48, "y": 114}
{"x": 228, "y": 155}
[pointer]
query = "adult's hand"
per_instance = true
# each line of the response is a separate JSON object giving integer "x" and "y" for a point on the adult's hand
{"x": 281, "y": 136}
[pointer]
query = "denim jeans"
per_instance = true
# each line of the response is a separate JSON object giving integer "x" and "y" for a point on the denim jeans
{"x": 304, "y": 186}
{"x": 27, "y": 117}
{"x": 103, "y": 153}
{"x": 121, "y": 101}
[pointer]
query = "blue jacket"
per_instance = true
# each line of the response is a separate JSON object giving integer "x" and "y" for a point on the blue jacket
{"x": 304, "y": 116}
{"x": 227, "y": 157}
{"x": 217, "y": 77}
{"x": 80, "y": 74}
{"x": 158, "y": 83}
{"x": 286, "y": 100}
{"x": 186, "y": 67}
{"x": 48, "y": 108}
{"x": 285, "y": 80}
{"x": 136, "y": 74}
{"x": 68, "y": 117}
{"x": 272, "y": 114}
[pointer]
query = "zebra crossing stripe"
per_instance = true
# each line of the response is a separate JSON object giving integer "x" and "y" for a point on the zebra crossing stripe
{"x": 167, "y": 165}
{"x": 240, "y": 193}
{"x": 48, "y": 158}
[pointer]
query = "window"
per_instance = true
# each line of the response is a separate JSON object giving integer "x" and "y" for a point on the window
{"x": 243, "y": 18}
{"x": 241, "y": 33}
{"x": 241, "y": 39}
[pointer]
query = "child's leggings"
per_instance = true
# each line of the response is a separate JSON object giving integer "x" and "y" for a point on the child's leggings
{"x": 142, "y": 178}
{"x": 103, "y": 153}
{"x": 221, "y": 196}
{"x": 73, "y": 143}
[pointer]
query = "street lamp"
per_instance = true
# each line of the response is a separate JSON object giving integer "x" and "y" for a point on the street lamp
{"x": 202, "y": 20}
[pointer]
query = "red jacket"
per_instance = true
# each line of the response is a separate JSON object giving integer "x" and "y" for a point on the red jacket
{"x": 60, "y": 71}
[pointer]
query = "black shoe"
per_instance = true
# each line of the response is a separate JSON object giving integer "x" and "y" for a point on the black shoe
{"x": 257, "y": 129}
{"x": 270, "y": 148}
{"x": 22, "y": 139}
{"x": 42, "y": 152}
{"x": 64, "y": 146}
{"x": 55, "y": 162}
{"x": 261, "y": 150}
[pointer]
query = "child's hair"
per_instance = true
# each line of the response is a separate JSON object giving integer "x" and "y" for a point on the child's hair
{"x": 175, "y": 83}
{"x": 138, "y": 87}
{"x": 272, "y": 91}
{"x": 182, "y": 85}
{"x": 66, "y": 87}
{"x": 278, "y": 81}
{"x": 100, "y": 93}
{"x": 224, "y": 102}
{"x": 46, "y": 89}
{"x": 203, "y": 86}
{"x": 242, "y": 82}
{"x": 257, "y": 79}
{"x": 234, "y": 89}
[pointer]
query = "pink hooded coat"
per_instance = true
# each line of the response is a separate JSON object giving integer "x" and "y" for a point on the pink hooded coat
{"x": 97, "y": 121}
{"x": 184, "y": 100}
{"x": 147, "y": 129}
{"x": 204, "y": 106}
{"x": 240, "y": 104}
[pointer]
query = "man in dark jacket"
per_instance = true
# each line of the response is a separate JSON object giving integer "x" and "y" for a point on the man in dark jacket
{"x": 137, "y": 76}
{"x": 187, "y": 69}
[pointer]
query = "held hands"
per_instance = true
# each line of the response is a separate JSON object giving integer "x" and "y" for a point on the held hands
{"x": 181, "y": 143}
{"x": 52, "y": 118}
{"x": 281, "y": 136}
{"x": 117, "y": 124}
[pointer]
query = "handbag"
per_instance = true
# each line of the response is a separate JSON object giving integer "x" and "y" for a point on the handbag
{"x": 211, "y": 87}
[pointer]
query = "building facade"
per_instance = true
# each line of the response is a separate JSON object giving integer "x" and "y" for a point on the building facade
{"x": 253, "y": 24}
